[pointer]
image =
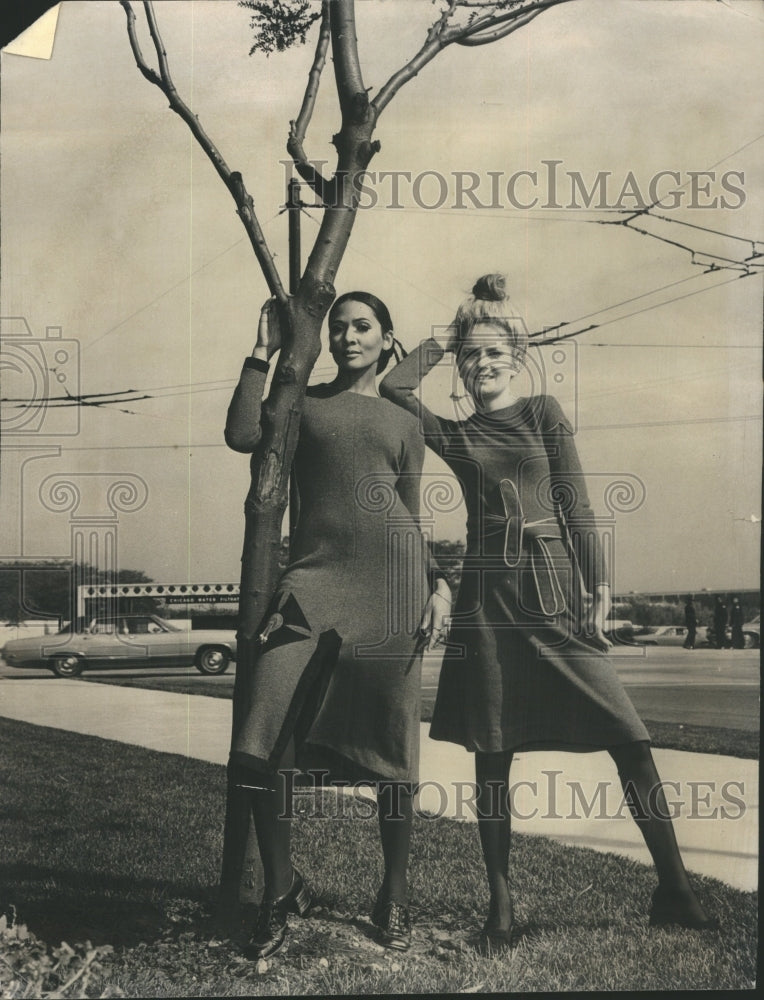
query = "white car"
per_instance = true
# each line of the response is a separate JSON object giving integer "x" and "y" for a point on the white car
{"x": 124, "y": 641}
{"x": 666, "y": 635}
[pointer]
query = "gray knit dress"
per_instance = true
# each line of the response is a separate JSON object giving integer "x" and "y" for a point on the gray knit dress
{"x": 519, "y": 673}
{"x": 340, "y": 670}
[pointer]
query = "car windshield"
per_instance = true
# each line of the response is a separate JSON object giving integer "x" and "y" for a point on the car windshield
{"x": 129, "y": 624}
{"x": 168, "y": 625}
{"x": 133, "y": 625}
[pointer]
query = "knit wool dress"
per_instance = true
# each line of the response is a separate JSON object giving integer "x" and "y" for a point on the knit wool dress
{"x": 518, "y": 672}
{"x": 340, "y": 669}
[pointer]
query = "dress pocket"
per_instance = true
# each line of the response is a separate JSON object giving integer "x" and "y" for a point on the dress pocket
{"x": 544, "y": 581}
{"x": 283, "y": 622}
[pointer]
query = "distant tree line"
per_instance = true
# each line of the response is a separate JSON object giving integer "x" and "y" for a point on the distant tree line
{"x": 640, "y": 610}
{"x": 47, "y": 591}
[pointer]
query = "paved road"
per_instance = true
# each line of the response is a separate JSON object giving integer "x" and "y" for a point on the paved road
{"x": 704, "y": 687}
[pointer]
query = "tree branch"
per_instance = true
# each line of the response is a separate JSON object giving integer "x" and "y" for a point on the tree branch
{"x": 440, "y": 24}
{"x": 351, "y": 92}
{"x": 488, "y": 21}
{"x": 441, "y": 35}
{"x": 434, "y": 44}
{"x": 164, "y": 69}
{"x": 232, "y": 179}
{"x": 488, "y": 36}
{"x": 143, "y": 66}
{"x": 299, "y": 127}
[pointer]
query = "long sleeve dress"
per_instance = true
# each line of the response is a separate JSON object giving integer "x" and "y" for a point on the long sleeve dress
{"x": 518, "y": 672}
{"x": 340, "y": 670}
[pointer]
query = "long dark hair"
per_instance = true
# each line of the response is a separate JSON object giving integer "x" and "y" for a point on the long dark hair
{"x": 382, "y": 314}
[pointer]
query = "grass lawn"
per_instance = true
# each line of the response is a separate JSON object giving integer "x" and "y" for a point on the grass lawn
{"x": 109, "y": 846}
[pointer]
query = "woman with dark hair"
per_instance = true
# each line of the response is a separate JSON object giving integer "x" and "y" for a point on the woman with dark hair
{"x": 335, "y": 684}
{"x": 526, "y": 667}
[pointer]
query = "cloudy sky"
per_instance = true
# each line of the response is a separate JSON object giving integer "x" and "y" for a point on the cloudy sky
{"x": 116, "y": 229}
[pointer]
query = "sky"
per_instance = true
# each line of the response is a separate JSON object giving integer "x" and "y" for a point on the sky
{"x": 124, "y": 259}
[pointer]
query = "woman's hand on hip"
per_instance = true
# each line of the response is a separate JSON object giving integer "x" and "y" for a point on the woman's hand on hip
{"x": 595, "y": 635}
{"x": 594, "y": 621}
{"x": 436, "y": 616}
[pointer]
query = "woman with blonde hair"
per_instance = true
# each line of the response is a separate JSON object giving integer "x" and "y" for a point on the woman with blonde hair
{"x": 527, "y": 667}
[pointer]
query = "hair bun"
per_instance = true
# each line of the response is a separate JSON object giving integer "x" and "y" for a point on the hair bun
{"x": 491, "y": 287}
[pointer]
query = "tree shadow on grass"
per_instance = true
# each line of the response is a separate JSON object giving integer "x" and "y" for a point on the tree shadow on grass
{"x": 76, "y": 906}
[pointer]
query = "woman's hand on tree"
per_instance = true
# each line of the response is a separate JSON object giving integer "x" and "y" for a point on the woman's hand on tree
{"x": 436, "y": 615}
{"x": 268, "y": 332}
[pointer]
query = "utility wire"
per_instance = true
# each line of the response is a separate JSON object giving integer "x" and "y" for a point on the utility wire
{"x": 218, "y": 384}
{"x": 704, "y": 229}
{"x": 637, "y": 312}
{"x": 585, "y": 427}
{"x": 172, "y": 288}
{"x": 669, "y": 423}
{"x": 506, "y": 217}
{"x": 624, "y": 302}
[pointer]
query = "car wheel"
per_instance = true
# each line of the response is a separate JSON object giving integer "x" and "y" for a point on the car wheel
{"x": 66, "y": 665}
{"x": 750, "y": 640}
{"x": 212, "y": 660}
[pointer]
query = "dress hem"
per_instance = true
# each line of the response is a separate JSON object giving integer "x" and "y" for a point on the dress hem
{"x": 528, "y": 746}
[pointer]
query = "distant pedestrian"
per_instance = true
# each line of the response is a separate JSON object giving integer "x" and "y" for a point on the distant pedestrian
{"x": 736, "y": 623}
{"x": 720, "y": 624}
{"x": 690, "y": 623}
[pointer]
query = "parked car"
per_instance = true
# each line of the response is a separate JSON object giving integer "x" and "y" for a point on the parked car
{"x": 620, "y": 631}
{"x": 124, "y": 641}
{"x": 667, "y": 635}
{"x": 751, "y": 633}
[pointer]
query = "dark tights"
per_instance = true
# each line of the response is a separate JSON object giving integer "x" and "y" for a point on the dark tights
{"x": 271, "y": 811}
{"x": 641, "y": 785}
{"x": 395, "y": 811}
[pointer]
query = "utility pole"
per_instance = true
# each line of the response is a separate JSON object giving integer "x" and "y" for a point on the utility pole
{"x": 293, "y": 206}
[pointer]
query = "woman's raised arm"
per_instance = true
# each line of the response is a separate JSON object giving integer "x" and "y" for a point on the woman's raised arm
{"x": 242, "y": 427}
{"x": 399, "y": 387}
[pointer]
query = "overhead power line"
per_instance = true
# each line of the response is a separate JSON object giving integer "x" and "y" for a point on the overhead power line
{"x": 636, "y": 312}
{"x": 744, "y": 418}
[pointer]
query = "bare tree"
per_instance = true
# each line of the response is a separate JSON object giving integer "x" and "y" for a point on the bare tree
{"x": 279, "y": 23}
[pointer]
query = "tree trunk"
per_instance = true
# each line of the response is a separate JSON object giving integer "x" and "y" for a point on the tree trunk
{"x": 241, "y": 881}
{"x": 300, "y": 324}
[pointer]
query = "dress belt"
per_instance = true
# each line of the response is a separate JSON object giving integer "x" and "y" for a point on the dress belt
{"x": 519, "y": 534}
